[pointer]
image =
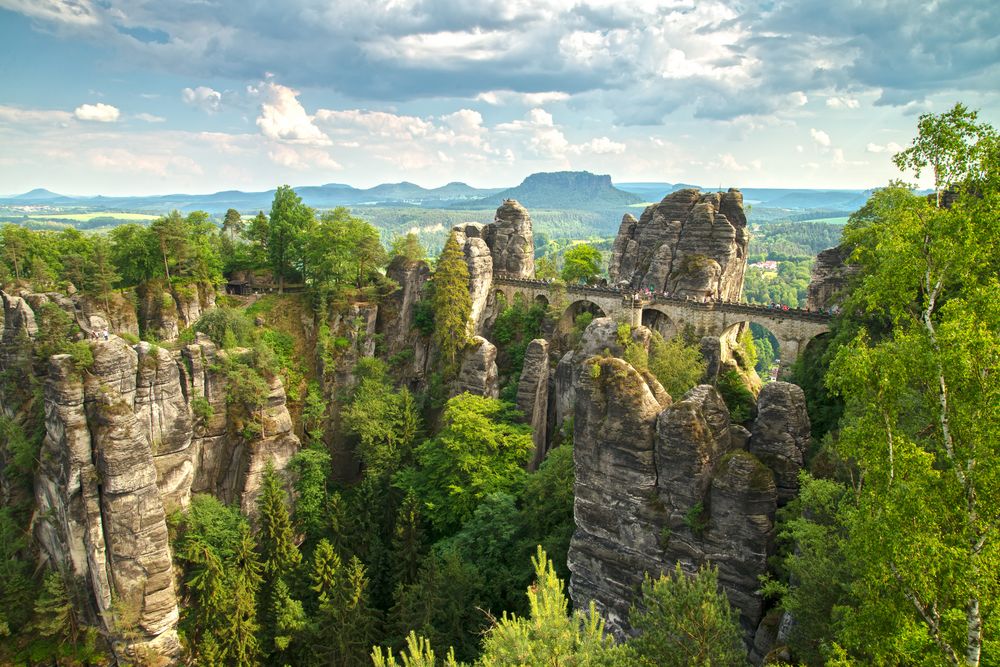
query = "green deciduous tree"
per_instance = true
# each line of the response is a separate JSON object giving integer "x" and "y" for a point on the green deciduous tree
{"x": 452, "y": 302}
{"x": 954, "y": 145}
{"x": 677, "y": 365}
{"x": 481, "y": 449}
{"x": 922, "y": 411}
{"x": 289, "y": 217}
{"x": 581, "y": 262}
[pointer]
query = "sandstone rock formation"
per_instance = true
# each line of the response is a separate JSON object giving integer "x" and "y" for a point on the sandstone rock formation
{"x": 660, "y": 483}
{"x": 690, "y": 244}
{"x": 122, "y": 447}
{"x": 164, "y": 311}
{"x": 478, "y": 373}
{"x": 533, "y": 396}
{"x": 479, "y": 259}
{"x": 395, "y": 314}
{"x": 830, "y": 275}
{"x": 780, "y": 435}
{"x": 511, "y": 241}
{"x": 99, "y": 512}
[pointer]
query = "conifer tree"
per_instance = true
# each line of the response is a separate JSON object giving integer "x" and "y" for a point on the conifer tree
{"x": 239, "y": 644}
{"x": 452, "y": 302}
{"x": 101, "y": 275}
{"x": 407, "y": 541}
{"x": 289, "y": 620}
{"x": 278, "y": 553}
{"x": 55, "y": 617}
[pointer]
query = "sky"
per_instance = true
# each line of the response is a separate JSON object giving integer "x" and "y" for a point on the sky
{"x": 122, "y": 97}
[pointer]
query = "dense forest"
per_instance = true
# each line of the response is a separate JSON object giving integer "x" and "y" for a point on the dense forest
{"x": 447, "y": 547}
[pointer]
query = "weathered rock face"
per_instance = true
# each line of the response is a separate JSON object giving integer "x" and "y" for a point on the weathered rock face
{"x": 122, "y": 447}
{"x": 395, "y": 313}
{"x": 618, "y": 517}
{"x": 118, "y": 315}
{"x": 479, "y": 259}
{"x": 478, "y": 373}
{"x": 780, "y": 435}
{"x": 165, "y": 311}
{"x": 99, "y": 508}
{"x": 690, "y": 244}
{"x": 157, "y": 311}
{"x": 162, "y": 411}
{"x": 660, "y": 483}
{"x": 511, "y": 241}
{"x": 533, "y": 396}
{"x": 830, "y": 275}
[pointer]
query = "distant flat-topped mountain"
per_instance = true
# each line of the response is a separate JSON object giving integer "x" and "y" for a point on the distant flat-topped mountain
{"x": 563, "y": 190}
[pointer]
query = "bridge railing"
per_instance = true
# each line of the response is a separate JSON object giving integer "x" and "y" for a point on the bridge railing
{"x": 628, "y": 298}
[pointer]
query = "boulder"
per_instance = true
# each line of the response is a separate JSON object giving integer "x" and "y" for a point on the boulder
{"x": 478, "y": 373}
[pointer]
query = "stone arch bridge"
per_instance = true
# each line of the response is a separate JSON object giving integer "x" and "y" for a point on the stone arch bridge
{"x": 793, "y": 328}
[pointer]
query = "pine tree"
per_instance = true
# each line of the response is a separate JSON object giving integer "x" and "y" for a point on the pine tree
{"x": 452, "y": 302}
{"x": 210, "y": 595}
{"x": 238, "y": 643}
{"x": 101, "y": 276}
{"x": 686, "y": 620}
{"x": 289, "y": 620}
{"x": 55, "y": 617}
{"x": 279, "y": 554}
{"x": 233, "y": 223}
{"x": 407, "y": 541}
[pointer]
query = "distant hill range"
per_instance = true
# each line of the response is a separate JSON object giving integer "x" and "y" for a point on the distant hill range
{"x": 563, "y": 190}
{"x": 782, "y": 198}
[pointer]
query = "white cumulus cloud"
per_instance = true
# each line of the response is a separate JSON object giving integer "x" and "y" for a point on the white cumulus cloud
{"x": 842, "y": 103}
{"x": 283, "y": 118}
{"x": 149, "y": 118}
{"x": 203, "y": 97}
{"x": 891, "y": 147}
{"x": 100, "y": 112}
{"x": 820, "y": 137}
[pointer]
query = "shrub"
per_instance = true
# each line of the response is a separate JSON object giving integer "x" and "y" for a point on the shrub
{"x": 226, "y": 325}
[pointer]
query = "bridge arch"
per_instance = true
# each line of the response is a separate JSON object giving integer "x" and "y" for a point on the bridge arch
{"x": 577, "y": 308}
{"x": 658, "y": 321}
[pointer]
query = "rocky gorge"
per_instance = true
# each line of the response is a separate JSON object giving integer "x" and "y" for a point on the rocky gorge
{"x": 660, "y": 479}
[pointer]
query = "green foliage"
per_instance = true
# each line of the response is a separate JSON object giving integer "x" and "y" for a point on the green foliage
{"x": 748, "y": 350}
{"x": 202, "y": 409}
{"x": 408, "y": 247}
{"x": 418, "y": 653}
{"x": 582, "y": 262}
{"x": 738, "y": 398}
{"x": 311, "y": 468}
{"x": 695, "y": 519}
{"x": 342, "y": 251}
{"x": 385, "y": 421}
{"x": 343, "y": 628}
{"x": 678, "y": 366}
{"x": 479, "y": 450}
{"x": 275, "y": 538}
{"x": 550, "y": 635}
{"x": 287, "y": 226}
{"x": 452, "y": 303}
{"x": 684, "y": 620}
{"x": 227, "y": 327}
